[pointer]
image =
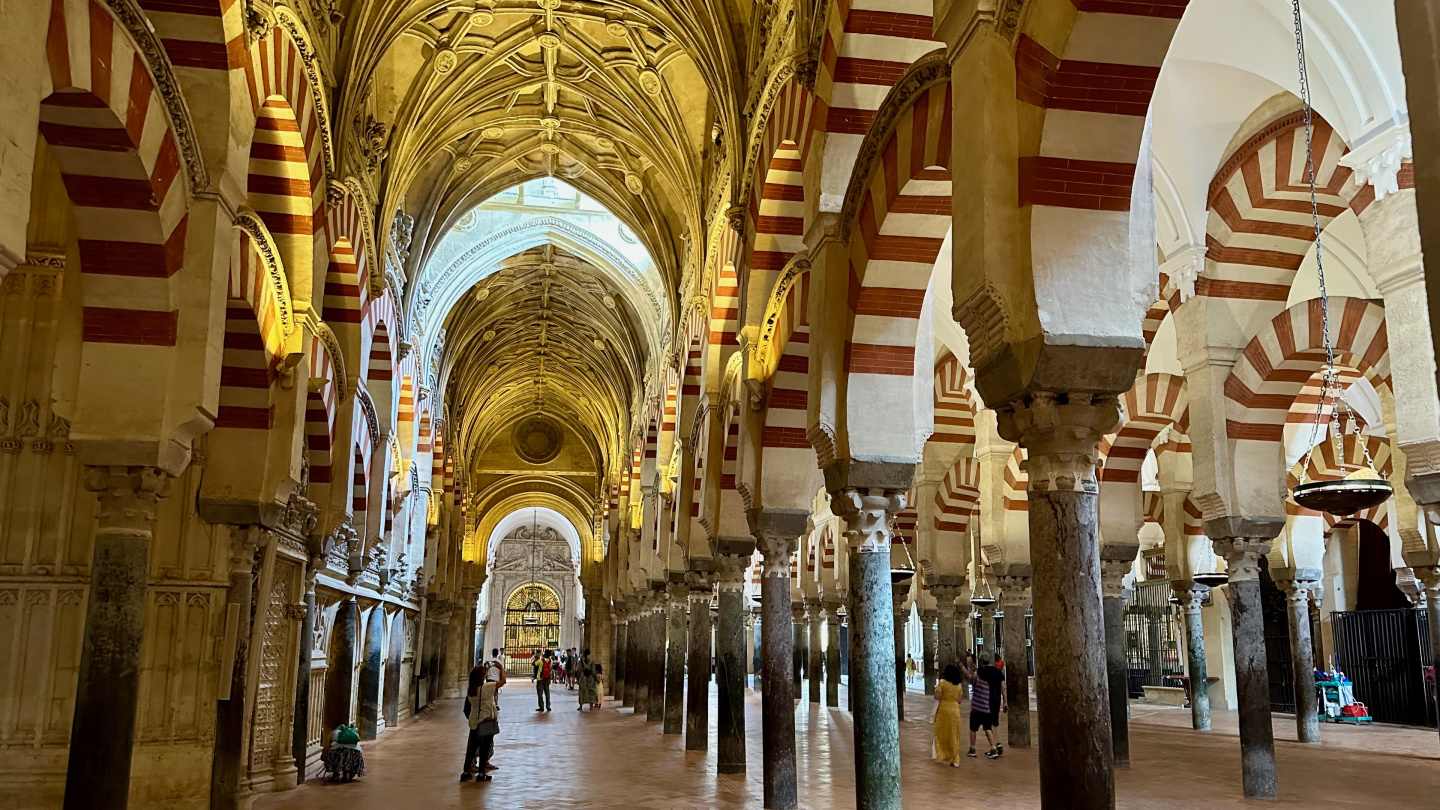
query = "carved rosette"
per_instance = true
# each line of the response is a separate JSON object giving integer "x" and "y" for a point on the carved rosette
{"x": 1061, "y": 433}
{"x": 1242, "y": 556}
{"x": 128, "y": 497}
{"x": 868, "y": 514}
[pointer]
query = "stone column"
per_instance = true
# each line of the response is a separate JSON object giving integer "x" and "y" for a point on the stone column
{"x": 752, "y": 648}
{"x": 928, "y": 641}
{"x": 1191, "y": 594}
{"x": 228, "y": 787}
{"x": 635, "y": 675}
{"x": 868, "y": 514}
{"x": 1242, "y": 544}
{"x": 108, "y": 689}
{"x": 340, "y": 678}
{"x": 619, "y": 678}
{"x": 679, "y": 597}
{"x": 963, "y": 636}
{"x": 832, "y": 654}
{"x": 987, "y": 629}
{"x": 946, "y": 651}
{"x": 368, "y": 712}
{"x": 800, "y": 645}
{"x": 1117, "y": 668}
{"x": 898, "y": 592}
{"x": 697, "y": 699}
{"x": 1302, "y": 656}
{"x": 655, "y": 709}
{"x": 300, "y": 731}
{"x": 1015, "y": 599}
{"x": 730, "y": 663}
{"x": 778, "y": 670}
{"x": 816, "y": 666}
{"x": 1429, "y": 576}
{"x": 1060, "y": 433}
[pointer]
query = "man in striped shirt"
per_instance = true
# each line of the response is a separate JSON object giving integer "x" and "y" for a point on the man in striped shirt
{"x": 986, "y": 703}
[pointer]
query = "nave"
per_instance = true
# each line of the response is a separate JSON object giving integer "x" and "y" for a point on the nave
{"x": 613, "y": 760}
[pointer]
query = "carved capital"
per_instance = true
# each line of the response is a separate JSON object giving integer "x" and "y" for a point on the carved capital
{"x": 1061, "y": 433}
{"x": 1191, "y": 594}
{"x": 945, "y": 595}
{"x": 1242, "y": 556}
{"x": 700, "y": 584}
{"x": 244, "y": 542}
{"x": 1112, "y": 576}
{"x": 730, "y": 572}
{"x": 868, "y": 514}
{"x": 297, "y": 611}
{"x": 677, "y": 592}
{"x": 128, "y": 496}
{"x": 1014, "y": 591}
{"x": 1298, "y": 591}
{"x": 777, "y": 550}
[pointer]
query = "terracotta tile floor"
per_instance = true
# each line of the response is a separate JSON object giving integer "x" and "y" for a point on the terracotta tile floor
{"x": 613, "y": 759}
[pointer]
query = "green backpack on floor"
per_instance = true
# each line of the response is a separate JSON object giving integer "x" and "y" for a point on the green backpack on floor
{"x": 348, "y": 735}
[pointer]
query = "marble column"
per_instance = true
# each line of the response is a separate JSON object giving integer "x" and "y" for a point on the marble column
{"x": 1192, "y": 595}
{"x": 1117, "y": 667}
{"x": 1015, "y": 599}
{"x": 655, "y": 709}
{"x": 679, "y": 598}
{"x": 928, "y": 619}
{"x": 1302, "y": 657}
{"x": 228, "y": 786}
{"x": 946, "y": 651}
{"x": 108, "y": 689}
{"x": 816, "y": 666}
{"x": 300, "y": 730}
{"x": 697, "y": 699}
{"x": 620, "y": 685}
{"x": 340, "y": 677}
{"x": 1429, "y": 577}
{"x": 730, "y": 656}
{"x": 898, "y": 592}
{"x": 1061, "y": 433}
{"x": 987, "y": 629}
{"x": 1242, "y": 550}
{"x": 832, "y": 653}
{"x": 963, "y": 637}
{"x": 868, "y": 514}
{"x": 752, "y": 647}
{"x": 778, "y": 670}
{"x": 800, "y": 645}
{"x": 635, "y": 675}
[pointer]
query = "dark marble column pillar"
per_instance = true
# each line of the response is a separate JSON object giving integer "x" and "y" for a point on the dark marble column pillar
{"x": 1061, "y": 433}
{"x": 987, "y": 629}
{"x": 928, "y": 619}
{"x": 1015, "y": 599}
{"x": 1191, "y": 594}
{"x": 620, "y": 677}
{"x": 946, "y": 650}
{"x": 108, "y": 690}
{"x": 1117, "y": 668}
{"x": 1429, "y": 576}
{"x": 1302, "y": 657}
{"x": 655, "y": 709}
{"x": 227, "y": 767}
{"x": 697, "y": 699}
{"x": 730, "y": 655}
{"x": 340, "y": 674}
{"x": 898, "y": 592}
{"x": 777, "y": 669}
{"x": 300, "y": 731}
{"x": 368, "y": 710}
{"x": 868, "y": 515}
{"x": 799, "y": 645}
{"x": 679, "y": 605}
{"x": 816, "y": 666}
{"x": 1242, "y": 551}
{"x": 832, "y": 654}
{"x": 635, "y": 666}
{"x": 964, "y": 638}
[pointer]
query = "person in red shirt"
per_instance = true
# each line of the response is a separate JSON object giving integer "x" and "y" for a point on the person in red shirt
{"x": 542, "y": 683}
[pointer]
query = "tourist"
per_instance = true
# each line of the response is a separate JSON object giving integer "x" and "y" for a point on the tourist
{"x": 542, "y": 682}
{"x": 572, "y": 668}
{"x": 909, "y": 667}
{"x": 535, "y": 667}
{"x": 484, "y": 721}
{"x": 496, "y": 657}
{"x": 947, "y": 716}
{"x": 599, "y": 686}
{"x": 343, "y": 759}
{"x": 586, "y": 679}
{"x": 986, "y": 703}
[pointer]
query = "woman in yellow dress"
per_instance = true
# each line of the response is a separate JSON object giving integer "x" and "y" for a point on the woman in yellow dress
{"x": 947, "y": 717}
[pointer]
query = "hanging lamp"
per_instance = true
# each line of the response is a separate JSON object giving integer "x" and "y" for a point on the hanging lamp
{"x": 1364, "y": 487}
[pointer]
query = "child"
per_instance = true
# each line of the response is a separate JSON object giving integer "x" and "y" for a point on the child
{"x": 599, "y": 686}
{"x": 344, "y": 759}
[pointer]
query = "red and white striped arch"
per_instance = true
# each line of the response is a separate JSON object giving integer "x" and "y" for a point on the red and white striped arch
{"x": 954, "y": 404}
{"x": 109, "y": 131}
{"x": 1156, "y": 402}
{"x": 346, "y": 293}
{"x": 320, "y": 406}
{"x": 1281, "y": 359}
{"x": 692, "y": 381}
{"x": 902, "y": 220}
{"x": 200, "y": 34}
{"x": 254, "y": 342}
{"x": 789, "y": 475}
{"x": 1014, "y": 496}
{"x": 1326, "y": 464}
{"x": 276, "y": 73}
{"x": 958, "y": 499}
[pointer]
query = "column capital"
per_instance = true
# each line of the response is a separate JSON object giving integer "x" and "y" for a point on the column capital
{"x": 1112, "y": 576}
{"x": 1298, "y": 591}
{"x": 929, "y": 617}
{"x": 730, "y": 571}
{"x": 1242, "y": 556}
{"x": 776, "y": 549}
{"x": 1190, "y": 593}
{"x": 868, "y": 514}
{"x": 699, "y": 582}
{"x": 677, "y": 592}
{"x": 1429, "y": 577}
{"x": 946, "y": 594}
{"x": 1014, "y": 591}
{"x": 128, "y": 497}
{"x": 1061, "y": 433}
{"x": 244, "y": 542}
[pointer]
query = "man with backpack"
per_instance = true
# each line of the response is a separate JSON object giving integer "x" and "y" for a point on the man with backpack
{"x": 542, "y": 683}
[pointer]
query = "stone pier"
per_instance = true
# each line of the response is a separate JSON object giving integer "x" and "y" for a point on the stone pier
{"x": 730, "y": 657}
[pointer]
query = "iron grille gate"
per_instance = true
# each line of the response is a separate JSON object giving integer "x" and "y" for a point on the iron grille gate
{"x": 1152, "y": 638}
{"x": 1275, "y": 609}
{"x": 1385, "y": 653}
{"x": 1029, "y": 637}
